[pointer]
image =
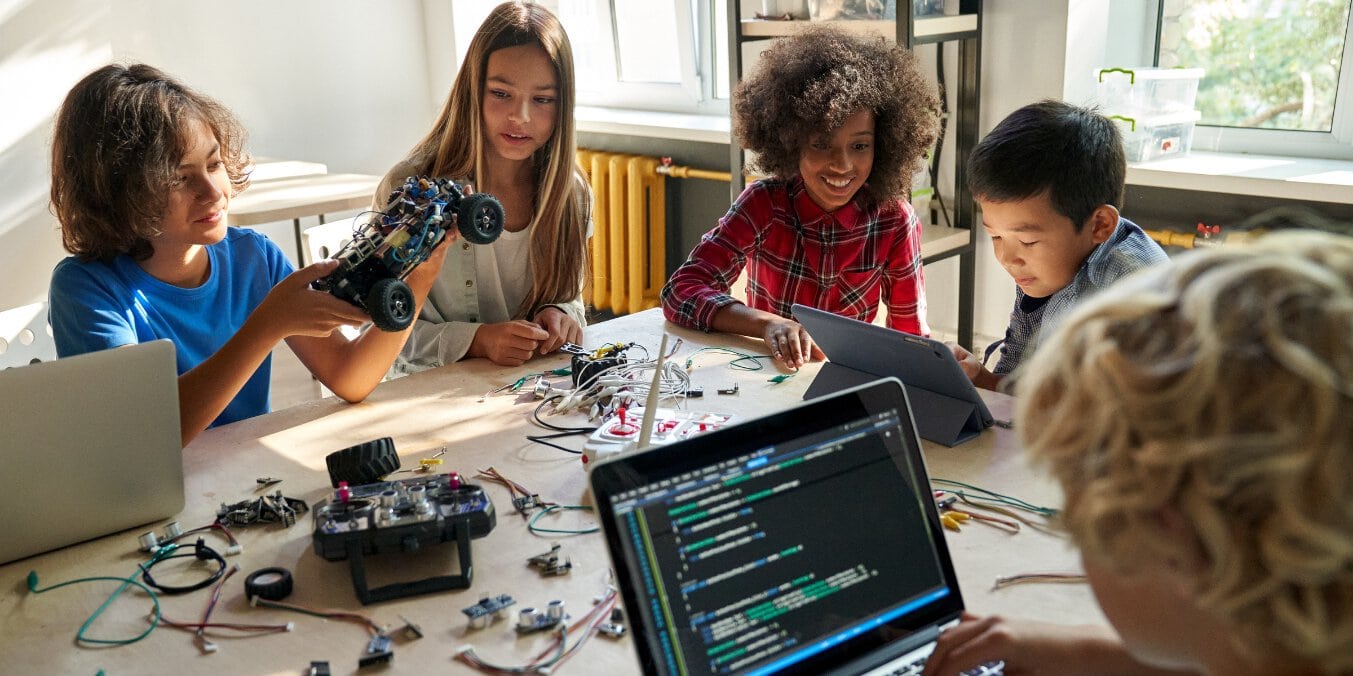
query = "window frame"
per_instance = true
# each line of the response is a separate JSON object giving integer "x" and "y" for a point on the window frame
{"x": 1334, "y": 144}
{"x": 695, "y": 94}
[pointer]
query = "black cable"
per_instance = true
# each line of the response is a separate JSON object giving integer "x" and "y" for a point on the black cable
{"x": 200, "y": 552}
{"x": 542, "y": 440}
{"x": 535, "y": 415}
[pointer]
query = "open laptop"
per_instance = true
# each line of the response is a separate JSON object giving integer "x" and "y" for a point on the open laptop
{"x": 91, "y": 445}
{"x": 948, "y": 408}
{"x": 803, "y": 542}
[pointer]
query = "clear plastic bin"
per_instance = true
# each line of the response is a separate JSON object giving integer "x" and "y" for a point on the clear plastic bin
{"x": 1146, "y": 92}
{"x": 1150, "y": 138}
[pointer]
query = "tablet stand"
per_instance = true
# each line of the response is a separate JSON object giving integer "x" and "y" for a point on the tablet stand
{"x": 939, "y": 418}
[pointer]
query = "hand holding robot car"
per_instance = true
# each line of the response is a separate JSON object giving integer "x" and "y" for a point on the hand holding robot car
{"x": 416, "y": 218}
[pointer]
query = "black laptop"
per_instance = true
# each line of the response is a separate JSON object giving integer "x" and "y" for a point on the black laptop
{"x": 947, "y": 406}
{"x": 803, "y": 542}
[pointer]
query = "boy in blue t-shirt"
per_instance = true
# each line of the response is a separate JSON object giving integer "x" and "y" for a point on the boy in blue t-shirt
{"x": 1049, "y": 180}
{"x": 143, "y": 171}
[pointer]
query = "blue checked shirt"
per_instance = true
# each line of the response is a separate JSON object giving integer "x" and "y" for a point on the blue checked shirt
{"x": 1127, "y": 249}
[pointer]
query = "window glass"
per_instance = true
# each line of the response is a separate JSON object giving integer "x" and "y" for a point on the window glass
{"x": 641, "y": 54}
{"x": 646, "y": 41}
{"x": 467, "y": 17}
{"x": 1271, "y": 64}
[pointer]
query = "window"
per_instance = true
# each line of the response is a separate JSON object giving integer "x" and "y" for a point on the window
{"x": 1274, "y": 82}
{"x": 668, "y": 55}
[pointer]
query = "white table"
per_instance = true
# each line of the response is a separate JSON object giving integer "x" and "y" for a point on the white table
{"x": 425, "y": 411}
{"x": 296, "y": 197}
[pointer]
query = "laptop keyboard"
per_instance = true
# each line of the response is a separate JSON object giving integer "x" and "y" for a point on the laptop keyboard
{"x": 915, "y": 667}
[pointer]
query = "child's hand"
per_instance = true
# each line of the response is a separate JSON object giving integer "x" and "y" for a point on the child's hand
{"x": 790, "y": 343}
{"x": 973, "y": 368}
{"x": 507, "y": 343}
{"x": 295, "y": 309}
{"x": 1031, "y": 648}
{"x": 421, "y": 278}
{"x": 560, "y": 326}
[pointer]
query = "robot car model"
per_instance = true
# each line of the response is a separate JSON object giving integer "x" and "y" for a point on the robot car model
{"x": 383, "y": 251}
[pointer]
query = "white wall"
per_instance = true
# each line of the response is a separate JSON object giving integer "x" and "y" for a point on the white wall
{"x": 353, "y": 84}
{"x": 348, "y": 83}
{"x": 1023, "y": 60}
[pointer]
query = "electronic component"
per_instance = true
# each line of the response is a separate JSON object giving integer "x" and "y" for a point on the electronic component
{"x": 487, "y": 610}
{"x": 411, "y": 631}
{"x": 587, "y": 366}
{"x": 275, "y": 508}
{"x": 377, "y": 652}
{"x": 729, "y": 390}
{"x": 403, "y": 516}
{"x": 619, "y": 434}
{"x": 318, "y": 668}
{"x": 548, "y": 564}
{"x": 530, "y": 620}
{"x": 614, "y": 627}
{"x": 525, "y": 503}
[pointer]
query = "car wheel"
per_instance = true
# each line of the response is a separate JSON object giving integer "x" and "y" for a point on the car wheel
{"x": 480, "y": 218}
{"x": 391, "y": 304}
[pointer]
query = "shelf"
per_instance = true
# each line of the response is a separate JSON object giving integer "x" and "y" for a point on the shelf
{"x": 938, "y": 241}
{"x": 929, "y": 28}
{"x": 945, "y": 27}
{"x": 1293, "y": 178}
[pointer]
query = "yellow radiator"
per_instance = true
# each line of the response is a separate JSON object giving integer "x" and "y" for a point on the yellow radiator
{"x": 628, "y": 253}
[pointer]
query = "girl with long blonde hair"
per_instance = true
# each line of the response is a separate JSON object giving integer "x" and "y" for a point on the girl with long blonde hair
{"x": 507, "y": 129}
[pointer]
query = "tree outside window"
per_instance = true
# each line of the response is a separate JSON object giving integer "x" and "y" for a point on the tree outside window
{"x": 1271, "y": 64}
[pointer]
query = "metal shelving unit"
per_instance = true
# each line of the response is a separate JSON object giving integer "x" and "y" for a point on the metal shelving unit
{"x": 965, "y": 28}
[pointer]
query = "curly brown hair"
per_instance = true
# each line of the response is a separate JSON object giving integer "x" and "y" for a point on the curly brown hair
{"x": 810, "y": 83}
{"x": 118, "y": 141}
{"x": 1217, "y": 386}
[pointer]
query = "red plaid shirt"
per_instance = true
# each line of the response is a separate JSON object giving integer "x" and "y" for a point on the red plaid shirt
{"x": 843, "y": 262}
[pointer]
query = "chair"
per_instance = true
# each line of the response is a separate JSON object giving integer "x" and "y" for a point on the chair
{"x": 327, "y": 239}
{"x": 25, "y": 336}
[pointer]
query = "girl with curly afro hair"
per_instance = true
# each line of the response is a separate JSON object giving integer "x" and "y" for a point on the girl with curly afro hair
{"x": 838, "y": 123}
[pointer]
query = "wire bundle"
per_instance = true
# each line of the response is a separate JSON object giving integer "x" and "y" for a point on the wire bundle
{"x": 558, "y": 651}
{"x": 523, "y": 498}
{"x": 603, "y": 389}
{"x": 200, "y": 627}
{"x": 370, "y": 624}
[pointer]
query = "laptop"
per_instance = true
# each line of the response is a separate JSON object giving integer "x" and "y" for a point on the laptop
{"x": 948, "y": 408}
{"x": 91, "y": 446}
{"x": 803, "y": 542}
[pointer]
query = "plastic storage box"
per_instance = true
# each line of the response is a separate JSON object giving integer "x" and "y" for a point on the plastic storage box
{"x": 1146, "y": 92}
{"x": 1150, "y": 138}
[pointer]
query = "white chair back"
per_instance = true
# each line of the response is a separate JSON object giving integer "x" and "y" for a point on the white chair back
{"x": 25, "y": 336}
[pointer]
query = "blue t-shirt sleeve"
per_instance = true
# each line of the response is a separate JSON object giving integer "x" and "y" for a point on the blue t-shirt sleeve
{"x": 278, "y": 265}
{"x": 85, "y": 310}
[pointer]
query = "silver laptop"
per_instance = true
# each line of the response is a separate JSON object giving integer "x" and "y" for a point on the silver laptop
{"x": 91, "y": 445}
{"x": 803, "y": 542}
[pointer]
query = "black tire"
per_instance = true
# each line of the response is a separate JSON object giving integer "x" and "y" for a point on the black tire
{"x": 480, "y": 218}
{"x": 391, "y": 304}
{"x": 364, "y": 463}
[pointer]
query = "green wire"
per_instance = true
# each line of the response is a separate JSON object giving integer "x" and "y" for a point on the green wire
{"x": 127, "y": 581}
{"x": 532, "y": 527}
{"x": 997, "y": 497}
